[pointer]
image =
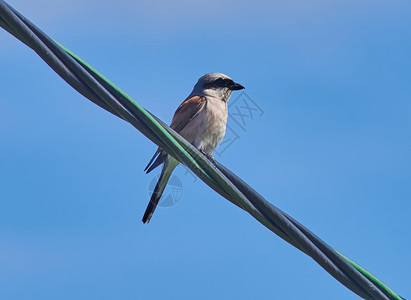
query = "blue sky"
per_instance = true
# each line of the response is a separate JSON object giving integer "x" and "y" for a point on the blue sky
{"x": 332, "y": 149}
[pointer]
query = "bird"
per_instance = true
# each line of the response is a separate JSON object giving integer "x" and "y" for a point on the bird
{"x": 201, "y": 119}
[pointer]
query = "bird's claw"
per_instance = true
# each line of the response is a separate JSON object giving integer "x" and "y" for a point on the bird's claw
{"x": 209, "y": 156}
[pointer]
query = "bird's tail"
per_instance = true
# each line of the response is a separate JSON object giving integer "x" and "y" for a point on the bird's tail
{"x": 168, "y": 167}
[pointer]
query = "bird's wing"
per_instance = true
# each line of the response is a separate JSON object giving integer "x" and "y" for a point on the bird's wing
{"x": 187, "y": 111}
{"x": 184, "y": 114}
{"x": 155, "y": 163}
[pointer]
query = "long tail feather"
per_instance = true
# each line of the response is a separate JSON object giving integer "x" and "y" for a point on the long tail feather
{"x": 168, "y": 167}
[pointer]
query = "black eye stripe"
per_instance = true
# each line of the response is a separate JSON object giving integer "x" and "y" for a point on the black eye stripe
{"x": 224, "y": 82}
{"x": 229, "y": 82}
{"x": 220, "y": 82}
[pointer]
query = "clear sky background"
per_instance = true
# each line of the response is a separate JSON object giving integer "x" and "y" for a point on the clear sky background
{"x": 332, "y": 149}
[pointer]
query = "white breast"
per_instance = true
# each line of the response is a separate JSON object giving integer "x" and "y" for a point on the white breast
{"x": 208, "y": 127}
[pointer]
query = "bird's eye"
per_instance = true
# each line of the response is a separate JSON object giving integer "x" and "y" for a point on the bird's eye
{"x": 223, "y": 82}
{"x": 220, "y": 82}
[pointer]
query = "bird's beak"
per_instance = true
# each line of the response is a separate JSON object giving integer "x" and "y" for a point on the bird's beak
{"x": 236, "y": 87}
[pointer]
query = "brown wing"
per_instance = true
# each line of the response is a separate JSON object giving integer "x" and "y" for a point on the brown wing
{"x": 187, "y": 111}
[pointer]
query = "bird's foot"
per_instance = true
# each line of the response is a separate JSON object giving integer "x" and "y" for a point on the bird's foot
{"x": 209, "y": 156}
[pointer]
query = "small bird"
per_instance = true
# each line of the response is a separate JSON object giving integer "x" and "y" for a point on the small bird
{"x": 201, "y": 119}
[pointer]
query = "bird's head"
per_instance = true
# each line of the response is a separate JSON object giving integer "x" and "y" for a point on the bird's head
{"x": 216, "y": 85}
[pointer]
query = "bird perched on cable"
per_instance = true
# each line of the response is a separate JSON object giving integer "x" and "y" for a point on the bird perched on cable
{"x": 201, "y": 119}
